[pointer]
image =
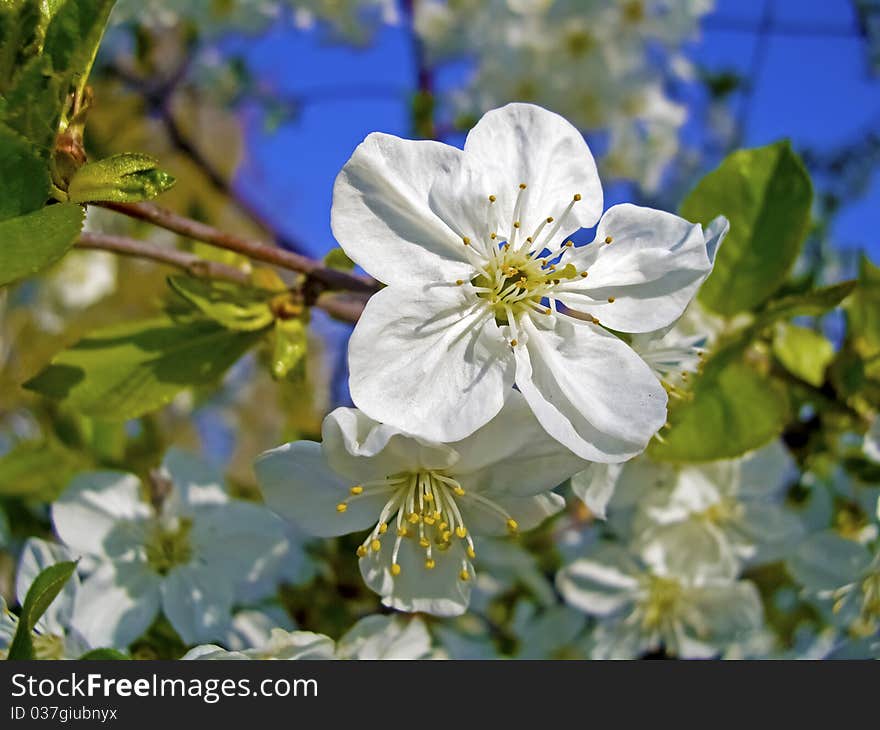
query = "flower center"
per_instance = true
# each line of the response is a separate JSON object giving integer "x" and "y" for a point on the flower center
{"x": 869, "y": 616}
{"x": 661, "y": 602}
{"x": 168, "y": 547}
{"x": 423, "y": 507}
{"x": 518, "y": 273}
{"x": 724, "y": 511}
{"x": 48, "y": 646}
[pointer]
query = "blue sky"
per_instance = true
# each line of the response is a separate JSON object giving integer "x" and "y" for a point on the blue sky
{"x": 813, "y": 89}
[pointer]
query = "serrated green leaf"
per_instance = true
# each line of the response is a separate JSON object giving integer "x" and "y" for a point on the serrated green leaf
{"x": 734, "y": 409}
{"x": 128, "y": 370}
{"x": 125, "y": 178}
{"x": 290, "y": 347}
{"x": 24, "y": 176}
{"x": 766, "y": 194}
{"x": 813, "y": 303}
{"x": 19, "y": 37}
{"x": 803, "y": 352}
{"x": 104, "y": 655}
{"x": 338, "y": 259}
{"x": 73, "y": 36}
{"x": 38, "y": 469}
{"x": 45, "y": 589}
{"x": 235, "y": 307}
{"x": 31, "y": 242}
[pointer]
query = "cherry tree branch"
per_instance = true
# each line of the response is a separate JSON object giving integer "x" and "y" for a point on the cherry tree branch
{"x": 315, "y": 271}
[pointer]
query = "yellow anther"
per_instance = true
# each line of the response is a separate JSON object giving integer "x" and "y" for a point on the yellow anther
{"x": 506, "y": 247}
{"x": 569, "y": 244}
{"x": 424, "y": 542}
{"x": 512, "y": 525}
{"x": 513, "y": 343}
{"x": 429, "y": 497}
{"x": 413, "y": 518}
{"x": 547, "y": 310}
{"x": 461, "y": 532}
{"x": 436, "y": 515}
{"x": 577, "y": 197}
{"x": 375, "y": 545}
{"x": 383, "y": 528}
{"x": 361, "y": 551}
{"x": 529, "y": 240}
{"x": 357, "y": 489}
{"x": 395, "y": 569}
{"x": 585, "y": 274}
{"x": 611, "y": 300}
{"x": 429, "y": 564}
{"x": 464, "y": 575}
{"x": 459, "y": 282}
{"x": 466, "y": 241}
{"x": 341, "y": 507}
{"x": 493, "y": 236}
{"x": 550, "y": 219}
{"x": 445, "y": 535}
{"x": 458, "y": 491}
{"x": 608, "y": 239}
{"x": 429, "y": 519}
{"x": 516, "y": 224}
{"x": 402, "y": 532}
{"x": 522, "y": 186}
{"x": 492, "y": 198}
{"x": 471, "y": 553}
{"x": 443, "y": 526}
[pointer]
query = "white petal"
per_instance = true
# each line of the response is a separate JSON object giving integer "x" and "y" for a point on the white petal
{"x": 512, "y": 455}
{"x": 599, "y": 585}
{"x": 694, "y": 551}
{"x": 729, "y": 612}
{"x": 380, "y": 213}
{"x": 235, "y": 536}
{"x": 439, "y": 591}
{"x": 197, "y": 602}
{"x": 595, "y": 485}
{"x": 36, "y": 556}
{"x": 528, "y": 512}
{"x": 90, "y": 513}
{"x": 825, "y": 561}
{"x": 362, "y": 449}
{"x": 116, "y": 604}
{"x": 650, "y": 271}
{"x": 523, "y": 143}
{"x": 385, "y": 637}
{"x": 589, "y": 390}
{"x": 298, "y": 484}
{"x": 195, "y": 482}
{"x": 422, "y": 361}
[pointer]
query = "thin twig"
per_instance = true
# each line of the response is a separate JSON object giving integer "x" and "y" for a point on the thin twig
{"x": 189, "y": 262}
{"x": 314, "y": 270}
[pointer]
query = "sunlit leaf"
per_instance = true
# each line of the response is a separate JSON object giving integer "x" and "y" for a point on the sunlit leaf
{"x": 123, "y": 178}
{"x": 45, "y": 589}
{"x": 31, "y": 242}
{"x": 804, "y": 352}
{"x": 235, "y": 307}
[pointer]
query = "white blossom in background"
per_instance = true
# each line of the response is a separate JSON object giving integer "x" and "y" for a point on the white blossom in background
{"x": 482, "y": 279}
{"x": 371, "y": 638}
{"x": 603, "y": 65}
{"x": 641, "y": 609}
{"x": 354, "y": 20}
{"x": 209, "y": 17}
{"x": 55, "y": 635}
{"x": 424, "y": 501}
{"x": 843, "y": 576}
{"x": 186, "y": 557}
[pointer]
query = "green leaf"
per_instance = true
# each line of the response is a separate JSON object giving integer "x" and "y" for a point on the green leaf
{"x": 290, "y": 346}
{"x": 766, "y": 194}
{"x": 104, "y": 655}
{"x": 19, "y": 37}
{"x": 734, "y": 409}
{"x": 131, "y": 369}
{"x": 863, "y": 315}
{"x": 38, "y": 469}
{"x": 34, "y": 105}
{"x": 73, "y": 37}
{"x": 5, "y": 529}
{"x": 338, "y": 259}
{"x": 813, "y": 303}
{"x": 31, "y": 242}
{"x": 24, "y": 176}
{"x": 234, "y": 306}
{"x": 124, "y": 178}
{"x": 803, "y": 352}
{"x": 45, "y": 589}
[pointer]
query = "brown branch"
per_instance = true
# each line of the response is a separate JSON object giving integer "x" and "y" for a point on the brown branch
{"x": 267, "y": 253}
{"x": 189, "y": 262}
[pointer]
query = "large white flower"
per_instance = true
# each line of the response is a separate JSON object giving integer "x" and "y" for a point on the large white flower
{"x": 643, "y": 609}
{"x": 481, "y": 276}
{"x": 188, "y": 555}
{"x": 55, "y": 635}
{"x": 423, "y": 500}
